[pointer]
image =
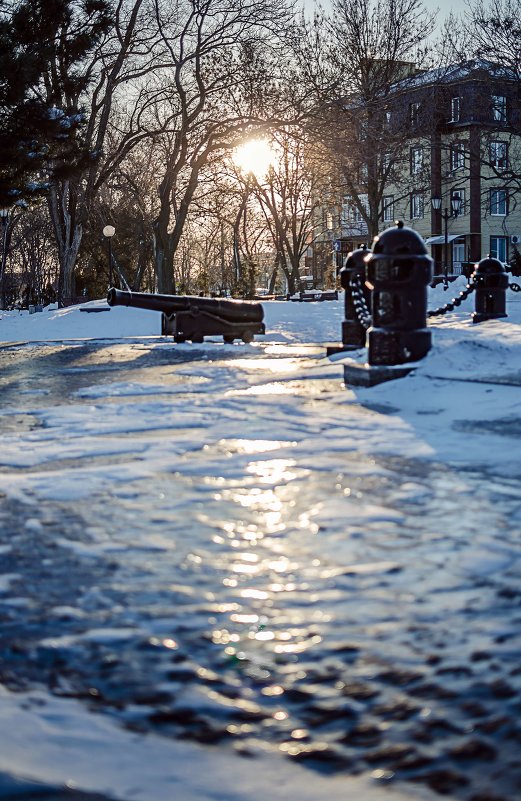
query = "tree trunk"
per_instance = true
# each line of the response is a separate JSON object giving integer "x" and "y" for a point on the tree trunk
{"x": 167, "y": 237}
{"x": 289, "y": 273}
{"x": 67, "y": 265}
{"x": 68, "y": 233}
{"x": 164, "y": 257}
{"x": 273, "y": 280}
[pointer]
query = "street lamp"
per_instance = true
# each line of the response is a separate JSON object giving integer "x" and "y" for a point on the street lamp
{"x": 109, "y": 232}
{"x": 456, "y": 203}
{"x": 4, "y": 216}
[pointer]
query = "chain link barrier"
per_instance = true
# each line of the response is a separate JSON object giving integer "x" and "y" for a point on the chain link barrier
{"x": 463, "y": 295}
{"x": 364, "y": 316}
{"x": 471, "y": 286}
{"x": 362, "y": 312}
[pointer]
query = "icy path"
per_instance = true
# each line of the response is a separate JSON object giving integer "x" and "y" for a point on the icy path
{"x": 223, "y": 544}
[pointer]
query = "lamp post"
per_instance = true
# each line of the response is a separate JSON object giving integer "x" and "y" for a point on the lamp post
{"x": 109, "y": 232}
{"x": 456, "y": 203}
{"x": 4, "y": 216}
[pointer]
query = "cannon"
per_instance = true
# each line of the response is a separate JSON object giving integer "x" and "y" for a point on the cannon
{"x": 188, "y": 317}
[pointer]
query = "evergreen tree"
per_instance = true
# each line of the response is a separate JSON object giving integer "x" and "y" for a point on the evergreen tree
{"x": 43, "y": 46}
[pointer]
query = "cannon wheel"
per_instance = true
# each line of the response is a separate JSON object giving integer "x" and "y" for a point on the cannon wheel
{"x": 179, "y": 338}
{"x": 228, "y": 338}
{"x": 247, "y": 337}
{"x": 197, "y": 339}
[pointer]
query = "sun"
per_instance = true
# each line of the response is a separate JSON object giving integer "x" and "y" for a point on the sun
{"x": 254, "y": 157}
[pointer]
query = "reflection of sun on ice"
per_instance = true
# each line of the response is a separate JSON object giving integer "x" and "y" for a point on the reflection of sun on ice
{"x": 273, "y": 471}
{"x": 255, "y": 157}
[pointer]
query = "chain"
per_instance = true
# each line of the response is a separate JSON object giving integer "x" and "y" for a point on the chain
{"x": 364, "y": 317}
{"x": 454, "y": 302}
{"x": 362, "y": 312}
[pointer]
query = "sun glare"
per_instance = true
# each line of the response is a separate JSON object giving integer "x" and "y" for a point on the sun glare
{"x": 255, "y": 157}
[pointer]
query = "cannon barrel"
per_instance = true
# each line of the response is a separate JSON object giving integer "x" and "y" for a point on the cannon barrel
{"x": 171, "y": 304}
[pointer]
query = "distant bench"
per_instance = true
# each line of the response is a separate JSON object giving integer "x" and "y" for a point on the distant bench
{"x": 315, "y": 295}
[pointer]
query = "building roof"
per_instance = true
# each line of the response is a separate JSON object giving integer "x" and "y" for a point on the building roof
{"x": 453, "y": 73}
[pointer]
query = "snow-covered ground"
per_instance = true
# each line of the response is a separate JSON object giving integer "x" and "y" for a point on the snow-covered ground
{"x": 430, "y": 401}
{"x": 55, "y": 742}
{"x": 241, "y": 423}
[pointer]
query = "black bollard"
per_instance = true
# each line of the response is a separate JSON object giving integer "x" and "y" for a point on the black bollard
{"x": 398, "y": 271}
{"x": 353, "y": 331}
{"x": 491, "y": 282}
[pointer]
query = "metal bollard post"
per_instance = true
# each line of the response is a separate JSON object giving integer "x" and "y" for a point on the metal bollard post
{"x": 491, "y": 282}
{"x": 399, "y": 271}
{"x": 353, "y": 332}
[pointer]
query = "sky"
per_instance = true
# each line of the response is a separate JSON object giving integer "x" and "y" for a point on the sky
{"x": 444, "y": 7}
{"x": 303, "y": 425}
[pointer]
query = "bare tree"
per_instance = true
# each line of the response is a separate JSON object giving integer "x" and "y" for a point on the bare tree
{"x": 122, "y": 58}
{"x": 352, "y": 61}
{"x": 484, "y": 42}
{"x": 491, "y": 33}
{"x": 128, "y": 199}
{"x": 222, "y": 60}
{"x": 290, "y": 195}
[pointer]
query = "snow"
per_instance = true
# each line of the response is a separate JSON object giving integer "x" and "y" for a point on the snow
{"x": 457, "y": 72}
{"x": 62, "y": 745}
{"x": 456, "y": 407}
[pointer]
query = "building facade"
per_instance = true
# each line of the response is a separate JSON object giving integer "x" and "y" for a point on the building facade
{"x": 455, "y": 181}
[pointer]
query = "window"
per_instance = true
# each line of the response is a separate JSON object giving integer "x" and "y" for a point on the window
{"x": 499, "y": 108}
{"x": 498, "y": 155}
{"x": 498, "y": 202}
{"x": 461, "y": 194}
{"x": 455, "y": 105}
{"x": 386, "y": 162}
{"x": 498, "y": 247}
{"x": 363, "y": 173}
{"x": 416, "y": 206}
{"x": 457, "y": 156}
{"x": 388, "y": 208}
{"x": 387, "y": 119}
{"x": 350, "y": 210}
{"x": 357, "y": 214}
{"x": 414, "y": 114}
{"x": 416, "y": 160}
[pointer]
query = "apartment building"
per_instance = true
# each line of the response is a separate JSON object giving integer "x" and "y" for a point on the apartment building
{"x": 455, "y": 178}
